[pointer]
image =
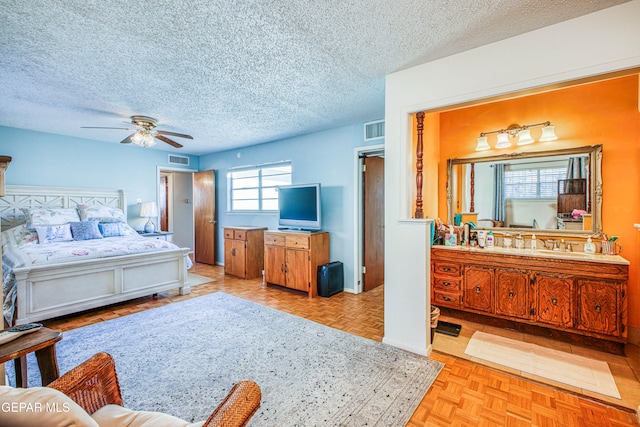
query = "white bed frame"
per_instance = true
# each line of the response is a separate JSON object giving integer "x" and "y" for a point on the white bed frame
{"x": 49, "y": 291}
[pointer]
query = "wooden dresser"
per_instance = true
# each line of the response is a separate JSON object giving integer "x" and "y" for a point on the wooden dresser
{"x": 580, "y": 294}
{"x": 291, "y": 259}
{"x": 244, "y": 251}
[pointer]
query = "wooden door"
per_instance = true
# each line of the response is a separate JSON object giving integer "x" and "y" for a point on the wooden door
{"x": 274, "y": 265}
{"x": 204, "y": 211}
{"x": 164, "y": 203}
{"x": 512, "y": 294}
{"x": 478, "y": 283}
{"x": 598, "y": 303}
{"x": 297, "y": 269}
{"x": 234, "y": 257}
{"x": 373, "y": 222}
{"x": 554, "y": 303}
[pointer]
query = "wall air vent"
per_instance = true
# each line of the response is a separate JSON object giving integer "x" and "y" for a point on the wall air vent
{"x": 178, "y": 160}
{"x": 374, "y": 130}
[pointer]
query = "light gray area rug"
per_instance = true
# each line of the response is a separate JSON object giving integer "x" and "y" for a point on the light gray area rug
{"x": 183, "y": 358}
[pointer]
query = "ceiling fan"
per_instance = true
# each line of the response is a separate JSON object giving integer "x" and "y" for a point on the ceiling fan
{"x": 145, "y": 132}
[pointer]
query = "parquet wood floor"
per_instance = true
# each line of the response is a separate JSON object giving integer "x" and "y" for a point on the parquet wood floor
{"x": 464, "y": 394}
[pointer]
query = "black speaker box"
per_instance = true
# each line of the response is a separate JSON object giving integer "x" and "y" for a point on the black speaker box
{"x": 330, "y": 279}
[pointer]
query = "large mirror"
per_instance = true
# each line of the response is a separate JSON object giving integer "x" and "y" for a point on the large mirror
{"x": 555, "y": 192}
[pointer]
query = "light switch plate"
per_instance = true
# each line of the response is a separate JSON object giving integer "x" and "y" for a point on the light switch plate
{"x": 138, "y": 200}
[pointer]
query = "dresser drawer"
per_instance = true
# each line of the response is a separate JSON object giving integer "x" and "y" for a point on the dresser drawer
{"x": 273, "y": 239}
{"x": 239, "y": 235}
{"x": 297, "y": 241}
{"x": 450, "y": 284}
{"x": 228, "y": 233}
{"x": 446, "y": 298}
{"x": 450, "y": 269}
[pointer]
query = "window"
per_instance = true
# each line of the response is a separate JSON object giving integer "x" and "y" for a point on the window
{"x": 532, "y": 183}
{"x": 253, "y": 188}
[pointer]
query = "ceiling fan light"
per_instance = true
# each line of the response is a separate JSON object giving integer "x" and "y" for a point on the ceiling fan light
{"x": 503, "y": 141}
{"x": 148, "y": 140}
{"x": 138, "y": 139}
{"x": 548, "y": 134}
{"x": 482, "y": 144}
{"x": 524, "y": 137}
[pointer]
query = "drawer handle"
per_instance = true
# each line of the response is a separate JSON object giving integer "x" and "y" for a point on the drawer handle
{"x": 598, "y": 308}
{"x": 511, "y": 295}
{"x": 446, "y": 283}
{"x": 478, "y": 289}
{"x": 554, "y": 300}
{"x": 446, "y": 269}
{"x": 446, "y": 298}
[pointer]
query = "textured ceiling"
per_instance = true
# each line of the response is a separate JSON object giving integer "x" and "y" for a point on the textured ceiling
{"x": 236, "y": 72}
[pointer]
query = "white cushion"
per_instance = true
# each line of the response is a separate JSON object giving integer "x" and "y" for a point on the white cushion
{"x": 42, "y": 407}
{"x": 117, "y": 416}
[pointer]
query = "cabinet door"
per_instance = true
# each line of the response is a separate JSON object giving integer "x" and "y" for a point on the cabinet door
{"x": 228, "y": 257}
{"x": 478, "y": 283}
{"x": 554, "y": 304}
{"x": 239, "y": 254}
{"x": 598, "y": 306}
{"x": 297, "y": 270}
{"x": 512, "y": 294}
{"x": 274, "y": 265}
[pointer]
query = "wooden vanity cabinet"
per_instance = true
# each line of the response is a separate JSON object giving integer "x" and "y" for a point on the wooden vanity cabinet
{"x": 598, "y": 306}
{"x": 292, "y": 259}
{"x": 243, "y": 251}
{"x": 581, "y": 297}
{"x": 478, "y": 288}
{"x": 512, "y": 296}
{"x": 554, "y": 302}
{"x": 446, "y": 283}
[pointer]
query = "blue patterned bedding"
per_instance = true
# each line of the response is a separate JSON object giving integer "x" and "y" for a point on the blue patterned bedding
{"x": 21, "y": 249}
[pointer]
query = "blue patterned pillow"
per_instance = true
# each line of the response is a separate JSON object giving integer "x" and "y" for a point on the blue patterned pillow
{"x": 85, "y": 230}
{"x": 112, "y": 229}
{"x": 54, "y": 233}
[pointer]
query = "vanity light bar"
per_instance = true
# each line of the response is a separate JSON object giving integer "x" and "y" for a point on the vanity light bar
{"x": 522, "y": 132}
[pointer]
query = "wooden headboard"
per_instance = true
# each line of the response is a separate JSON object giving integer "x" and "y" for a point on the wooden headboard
{"x": 24, "y": 196}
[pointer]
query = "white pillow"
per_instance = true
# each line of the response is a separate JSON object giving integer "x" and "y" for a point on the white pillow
{"x": 117, "y": 416}
{"x": 54, "y": 233}
{"x": 42, "y": 407}
{"x": 49, "y": 216}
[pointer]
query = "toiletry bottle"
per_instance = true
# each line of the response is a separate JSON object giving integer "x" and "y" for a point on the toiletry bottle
{"x": 482, "y": 237}
{"x": 534, "y": 243}
{"x": 589, "y": 247}
{"x": 489, "y": 242}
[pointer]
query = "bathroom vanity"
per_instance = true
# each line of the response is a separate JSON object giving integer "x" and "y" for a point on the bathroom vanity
{"x": 574, "y": 296}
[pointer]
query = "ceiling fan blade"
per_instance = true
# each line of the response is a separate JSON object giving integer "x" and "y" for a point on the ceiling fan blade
{"x": 168, "y": 141}
{"x": 180, "y": 135}
{"x": 102, "y": 127}
{"x": 127, "y": 140}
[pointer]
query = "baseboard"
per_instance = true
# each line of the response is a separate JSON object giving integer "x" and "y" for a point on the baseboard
{"x": 633, "y": 336}
{"x": 420, "y": 351}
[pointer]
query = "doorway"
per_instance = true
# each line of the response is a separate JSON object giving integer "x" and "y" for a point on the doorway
{"x": 175, "y": 203}
{"x": 369, "y": 269}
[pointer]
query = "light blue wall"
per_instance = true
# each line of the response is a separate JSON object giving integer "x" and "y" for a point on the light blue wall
{"x": 324, "y": 157}
{"x": 61, "y": 161}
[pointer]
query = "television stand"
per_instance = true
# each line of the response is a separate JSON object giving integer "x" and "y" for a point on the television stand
{"x": 292, "y": 258}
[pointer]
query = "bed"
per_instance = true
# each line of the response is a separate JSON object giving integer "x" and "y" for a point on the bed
{"x": 43, "y": 281}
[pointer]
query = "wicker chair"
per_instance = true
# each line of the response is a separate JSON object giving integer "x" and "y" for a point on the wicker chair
{"x": 94, "y": 384}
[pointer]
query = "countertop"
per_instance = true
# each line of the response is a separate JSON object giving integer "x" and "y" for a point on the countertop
{"x": 540, "y": 253}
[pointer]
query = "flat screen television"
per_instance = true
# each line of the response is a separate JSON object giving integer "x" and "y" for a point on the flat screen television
{"x": 299, "y": 207}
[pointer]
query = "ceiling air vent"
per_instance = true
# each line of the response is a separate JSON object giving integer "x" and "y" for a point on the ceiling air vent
{"x": 178, "y": 160}
{"x": 374, "y": 130}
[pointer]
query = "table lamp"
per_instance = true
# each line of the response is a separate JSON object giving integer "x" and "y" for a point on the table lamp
{"x": 149, "y": 210}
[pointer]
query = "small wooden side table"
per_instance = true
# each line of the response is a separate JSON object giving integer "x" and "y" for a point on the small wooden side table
{"x": 43, "y": 343}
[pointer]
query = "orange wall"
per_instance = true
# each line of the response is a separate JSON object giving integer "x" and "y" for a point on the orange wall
{"x": 597, "y": 113}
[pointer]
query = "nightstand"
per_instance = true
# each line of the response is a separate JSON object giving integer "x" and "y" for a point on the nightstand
{"x": 159, "y": 235}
